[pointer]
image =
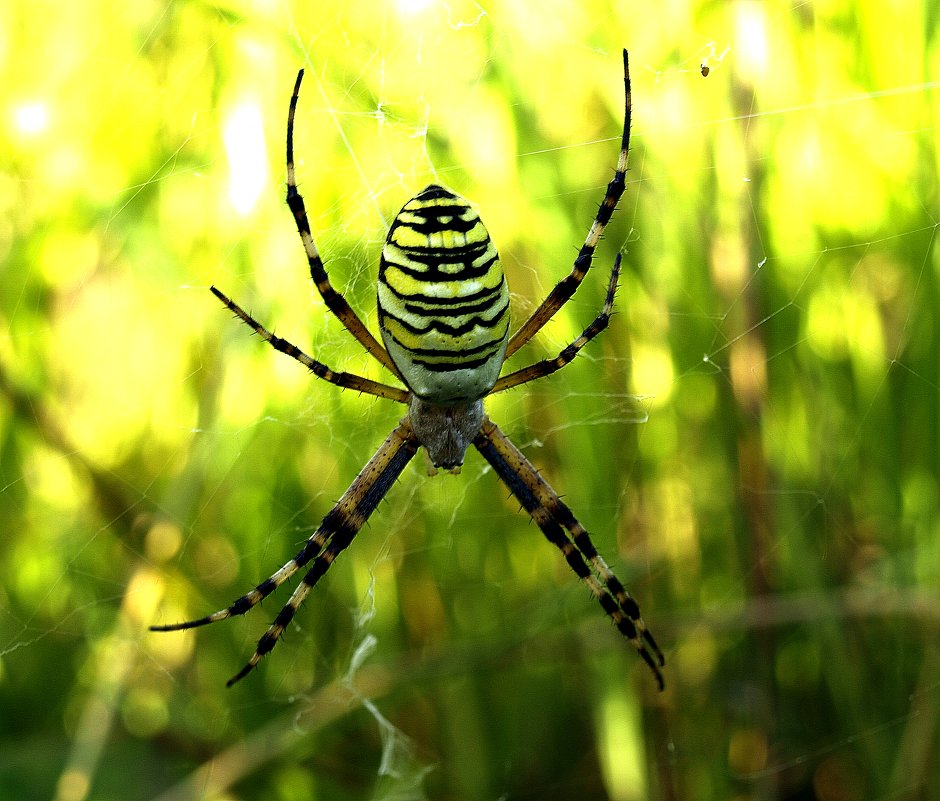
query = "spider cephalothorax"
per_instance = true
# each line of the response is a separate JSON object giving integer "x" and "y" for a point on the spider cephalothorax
{"x": 443, "y": 307}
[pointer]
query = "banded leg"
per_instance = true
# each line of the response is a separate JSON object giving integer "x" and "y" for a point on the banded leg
{"x": 555, "y": 518}
{"x": 337, "y": 530}
{"x": 565, "y": 288}
{"x": 549, "y": 366}
{"x": 335, "y": 302}
{"x": 319, "y": 369}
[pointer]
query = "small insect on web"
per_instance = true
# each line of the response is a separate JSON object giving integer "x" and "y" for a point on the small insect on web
{"x": 443, "y": 311}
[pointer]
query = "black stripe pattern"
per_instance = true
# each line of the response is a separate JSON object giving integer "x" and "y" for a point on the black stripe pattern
{"x": 443, "y": 301}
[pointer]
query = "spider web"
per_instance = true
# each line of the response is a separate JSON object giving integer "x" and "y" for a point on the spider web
{"x": 746, "y": 443}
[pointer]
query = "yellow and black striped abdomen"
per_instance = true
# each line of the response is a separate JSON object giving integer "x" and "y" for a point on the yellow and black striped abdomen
{"x": 442, "y": 298}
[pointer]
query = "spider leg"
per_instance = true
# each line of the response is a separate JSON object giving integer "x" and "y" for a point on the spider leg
{"x": 565, "y": 288}
{"x": 319, "y": 369}
{"x": 337, "y": 530}
{"x": 554, "y": 518}
{"x": 335, "y": 302}
{"x": 549, "y": 366}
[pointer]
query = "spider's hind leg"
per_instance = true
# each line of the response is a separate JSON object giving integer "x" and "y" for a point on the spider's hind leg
{"x": 318, "y": 368}
{"x": 565, "y": 289}
{"x": 548, "y": 366}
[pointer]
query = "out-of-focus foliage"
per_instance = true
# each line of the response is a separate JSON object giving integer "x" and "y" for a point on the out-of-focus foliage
{"x": 753, "y": 443}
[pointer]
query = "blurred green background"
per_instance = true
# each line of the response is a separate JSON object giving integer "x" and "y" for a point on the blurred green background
{"x": 753, "y": 443}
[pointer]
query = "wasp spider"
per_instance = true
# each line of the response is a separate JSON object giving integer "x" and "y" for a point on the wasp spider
{"x": 443, "y": 310}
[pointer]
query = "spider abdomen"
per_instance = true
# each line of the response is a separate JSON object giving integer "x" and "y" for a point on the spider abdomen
{"x": 443, "y": 302}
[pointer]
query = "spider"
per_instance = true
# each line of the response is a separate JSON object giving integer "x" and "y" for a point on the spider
{"x": 443, "y": 311}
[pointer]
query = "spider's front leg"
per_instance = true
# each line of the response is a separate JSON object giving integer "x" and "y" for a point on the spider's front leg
{"x": 334, "y": 535}
{"x": 562, "y": 529}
